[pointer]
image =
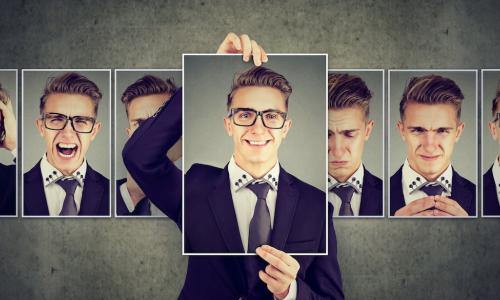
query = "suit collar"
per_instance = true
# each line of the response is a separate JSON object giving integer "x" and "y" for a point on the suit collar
{"x": 92, "y": 193}
{"x": 240, "y": 178}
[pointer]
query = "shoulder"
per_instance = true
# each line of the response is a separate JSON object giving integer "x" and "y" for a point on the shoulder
{"x": 96, "y": 176}
{"x": 304, "y": 188}
{"x": 396, "y": 177}
{"x": 202, "y": 170}
{"x": 34, "y": 173}
{"x": 463, "y": 181}
{"x": 372, "y": 180}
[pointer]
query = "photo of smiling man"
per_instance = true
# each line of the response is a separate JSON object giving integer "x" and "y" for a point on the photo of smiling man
{"x": 434, "y": 108}
{"x": 58, "y": 180}
{"x": 235, "y": 173}
{"x": 355, "y": 122}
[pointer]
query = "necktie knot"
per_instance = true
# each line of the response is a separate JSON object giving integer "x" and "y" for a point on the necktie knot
{"x": 432, "y": 189}
{"x": 260, "y": 189}
{"x": 344, "y": 192}
{"x": 68, "y": 185}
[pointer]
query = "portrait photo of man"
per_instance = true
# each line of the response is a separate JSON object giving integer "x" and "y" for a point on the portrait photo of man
{"x": 355, "y": 123}
{"x": 140, "y": 94}
{"x": 490, "y": 87}
{"x": 8, "y": 143}
{"x": 68, "y": 135}
{"x": 433, "y": 143}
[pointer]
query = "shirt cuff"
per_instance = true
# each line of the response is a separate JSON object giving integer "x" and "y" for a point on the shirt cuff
{"x": 292, "y": 291}
{"x": 126, "y": 197}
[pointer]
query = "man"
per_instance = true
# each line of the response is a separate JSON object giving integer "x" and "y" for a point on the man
{"x": 62, "y": 183}
{"x": 8, "y": 142}
{"x": 491, "y": 179}
{"x": 142, "y": 99}
{"x": 233, "y": 277}
{"x": 353, "y": 190}
{"x": 430, "y": 125}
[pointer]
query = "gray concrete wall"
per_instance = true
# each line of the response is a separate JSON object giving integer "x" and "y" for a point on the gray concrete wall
{"x": 380, "y": 259}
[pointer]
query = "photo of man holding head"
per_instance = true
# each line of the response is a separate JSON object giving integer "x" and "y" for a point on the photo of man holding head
{"x": 62, "y": 183}
{"x": 491, "y": 178}
{"x": 8, "y": 142}
{"x": 353, "y": 190}
{"x": 141, "y": 99}
{"x": 431, "y": 123}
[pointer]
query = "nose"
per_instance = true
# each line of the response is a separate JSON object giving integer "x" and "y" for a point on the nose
{"x": 258, "y": 126}
{"x": 429, "y": 142}
{"x": 335, "y": 146}
{"x": 68, "y": 129}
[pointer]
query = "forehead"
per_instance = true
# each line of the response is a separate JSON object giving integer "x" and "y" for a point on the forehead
{"x": 346, "y": 118}
{"x": 259, "y": 98}
{"x": 144, "y": 106}
{"x": 70, "y": 104}
{"x": 430, "y": 115}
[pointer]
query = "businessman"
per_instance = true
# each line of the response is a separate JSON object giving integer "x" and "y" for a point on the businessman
{"x": 62, "y": 183}
{"x": 142, "y": 99}
{"x": 491, "y": 179}
{"x": 211, "y": 190}
{"x": 353, "y": 190}
{"x": 8, "y": 141}
{"x": 426, "y": 184}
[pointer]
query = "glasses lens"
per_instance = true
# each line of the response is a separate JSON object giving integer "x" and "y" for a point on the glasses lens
{"x": 83, "y": 124}
{"x": 55, "y": 121}
{"x": 273, "y": 119}
{"x": 244, "y": 117}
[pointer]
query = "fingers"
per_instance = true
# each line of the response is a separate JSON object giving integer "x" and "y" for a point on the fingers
{"x": 441, "y": 213}
{"x": 416, "y": 206}
{"x": 230, "y": 44}
{"x": 426, "y": 213}
{"x": 273, "y": 285}
{"x": 279, "y": 259}
{"x": 289, "y": 260}
{"x": 450, "y": 206}
{"x": 247, "y": 46}
{"x": 264, "y": 55}
{"x": 257, "y": 59}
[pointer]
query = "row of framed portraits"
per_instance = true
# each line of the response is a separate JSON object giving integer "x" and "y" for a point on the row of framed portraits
{"x": 206, "y": 81}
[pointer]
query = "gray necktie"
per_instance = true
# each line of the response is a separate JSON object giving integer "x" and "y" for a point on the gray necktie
{"x": 69, "y": 205}
{"x": 260, "y": 225}
{"x": 345, "y": 193}
{"x": 432, "y": 189}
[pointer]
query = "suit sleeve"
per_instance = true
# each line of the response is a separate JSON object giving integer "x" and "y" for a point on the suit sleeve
{"x": 323, "y": 279}
{"x": 144, "y": 156}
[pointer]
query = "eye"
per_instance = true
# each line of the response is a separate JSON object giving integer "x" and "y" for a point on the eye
{"x": 271, "y": 116}
{"x": 443, "y": 131}
{"x": 82, "y": 121}
{"x": 417, "y": 130}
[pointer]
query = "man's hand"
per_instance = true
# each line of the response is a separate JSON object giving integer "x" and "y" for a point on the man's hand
{"x": 419, "y": 207}
{"x": 9, "y": 142}
{"x": 449, "y": 207}
{"x": 280, "y": 272}
{"x": 243, "y": 44}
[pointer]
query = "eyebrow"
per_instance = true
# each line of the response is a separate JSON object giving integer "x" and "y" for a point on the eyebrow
{"x": 424, "y": 129}
{"x": 345, "y": 130}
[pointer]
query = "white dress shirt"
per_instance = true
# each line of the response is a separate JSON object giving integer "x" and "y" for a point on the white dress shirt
{"x": 54, "y": 193}
{"x": 244, "y": 201}
{"x": 412, "y": 182}
{"x": 496, "y": 177}
{"x": 356, "y": 181}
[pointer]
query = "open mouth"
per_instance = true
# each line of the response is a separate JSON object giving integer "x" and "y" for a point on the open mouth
{"x": 257, "y": 143}
{"x": 66, "y": 150}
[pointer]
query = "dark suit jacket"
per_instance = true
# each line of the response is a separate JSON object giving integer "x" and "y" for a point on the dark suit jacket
{"x": 491, "y": 207}
{"x": 95, "y": 198}
{"x": 121, "y": 207}
{"x": 224, "y": 277}
{"x": 463, "y": 191}
{"x": 7, "y": 190}
{"x": 371, "y": 196}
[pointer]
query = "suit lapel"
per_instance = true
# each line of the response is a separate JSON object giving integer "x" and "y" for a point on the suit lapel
{"x": 35, "y": 202}
{"x": 368, "y": 202}
{"x": 284, "y": 212}
{"x": 396, "y": 198}
{"x": 221, "y": 204}
{"x": 92, "y": 194}
{"x": 459, "y": 193}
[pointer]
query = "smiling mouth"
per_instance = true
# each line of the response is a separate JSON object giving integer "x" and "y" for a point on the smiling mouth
{"x": 257, "y": 143}
{"x": 66, "y": 150}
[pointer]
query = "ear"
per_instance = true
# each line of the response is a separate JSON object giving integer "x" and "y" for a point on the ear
{"x": 128, "y": 131}
{"x": 286, "y": 127}
{"x": 368, "y": 129}
{"x": 493, "y": 129}
{"x": 228, "y": 126}
{"x": 460, "y": 129}
{"x": 401, "y": 129}
{"x": 95, "y": 131}
{"x": 39, "y": 125}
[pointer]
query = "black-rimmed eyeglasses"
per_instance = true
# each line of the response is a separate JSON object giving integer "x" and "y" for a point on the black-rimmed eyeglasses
{"x": 81, "y": 124}
{"x": 271, "y": 118}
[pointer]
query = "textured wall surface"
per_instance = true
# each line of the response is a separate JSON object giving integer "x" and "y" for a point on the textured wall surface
{"x": 380, "y": 259}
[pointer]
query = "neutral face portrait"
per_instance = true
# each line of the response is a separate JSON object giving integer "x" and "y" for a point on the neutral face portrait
{"x": 348, "y": 130}
{"x": 257, "y": 144}
{"x": 430, "y": 133}
{"x": 68, "y": 140}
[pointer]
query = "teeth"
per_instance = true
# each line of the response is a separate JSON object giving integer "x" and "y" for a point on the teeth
{"x": 257, "y": 143}
{"x": 67, "y": 146}
{"x": 67, "y": 156}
